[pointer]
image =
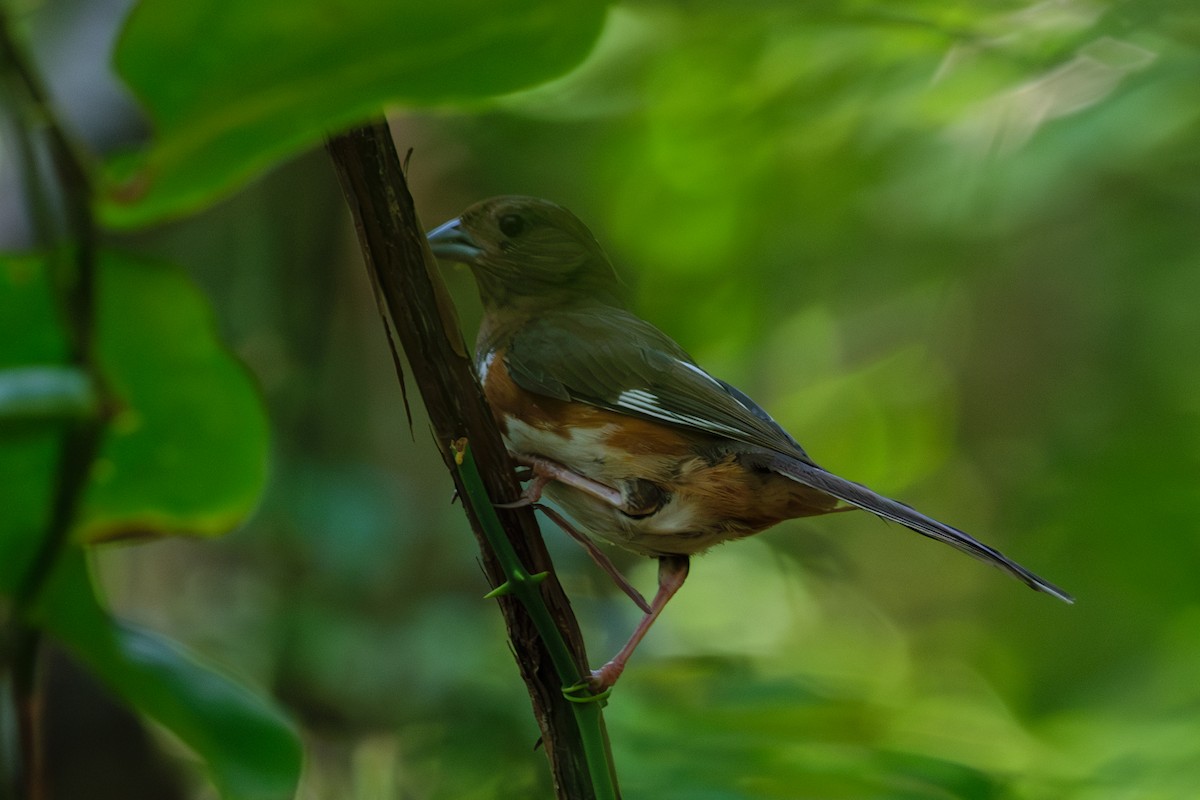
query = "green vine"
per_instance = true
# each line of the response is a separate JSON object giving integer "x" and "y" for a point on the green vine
{"x": 523, "y": 585}
{"x": 77, "y": 394}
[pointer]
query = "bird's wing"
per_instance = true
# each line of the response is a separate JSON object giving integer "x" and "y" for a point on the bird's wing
{"x": 610, "y": 358}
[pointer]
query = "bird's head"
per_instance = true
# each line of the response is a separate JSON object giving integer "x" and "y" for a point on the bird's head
{"x": 528, "y": 254}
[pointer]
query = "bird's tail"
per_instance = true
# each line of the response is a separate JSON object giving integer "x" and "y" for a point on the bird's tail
{"x": 862, "y": 497}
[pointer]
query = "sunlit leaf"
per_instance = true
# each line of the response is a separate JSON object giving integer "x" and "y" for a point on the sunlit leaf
{"x": 232, "y": 87}
{"x": 248, "y": 745}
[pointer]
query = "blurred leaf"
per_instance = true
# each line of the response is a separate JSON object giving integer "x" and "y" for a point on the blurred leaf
{"x": 26, "y": 463}
{"x": 232, "y": 87}
{"x": 248, "y": 744}
{"x": 749, "y": 735}
{"x": 186, "y": 450}
{"x": 34, "y": 402}
{"x": 29, "y": 335}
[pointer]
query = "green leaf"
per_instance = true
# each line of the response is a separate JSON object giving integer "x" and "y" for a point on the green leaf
{"x": 186, "y": 448}
{"x": 232, "y": 87}
{"x": 250, "y": 747}
{"x": 29, "y": 336}
{"x": 34, "y": 404}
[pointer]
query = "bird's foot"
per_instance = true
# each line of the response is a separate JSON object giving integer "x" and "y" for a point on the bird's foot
{"x": 532, "y": 493}
{"x": 543, "y": 471}
{"x": 603, "y": 679}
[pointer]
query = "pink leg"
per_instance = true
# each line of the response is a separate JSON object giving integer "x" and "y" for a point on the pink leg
{"x": 532, "y": 493}
{"x": 597, "y": 555}
{"x": 544, "y": 471}
{"x": 672, "y": 572}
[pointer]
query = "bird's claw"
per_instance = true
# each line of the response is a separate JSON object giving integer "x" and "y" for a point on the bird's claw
{"x": 602, "y": 680}
{"x": 520, "y": 502}
{"x": 532, "y": 493}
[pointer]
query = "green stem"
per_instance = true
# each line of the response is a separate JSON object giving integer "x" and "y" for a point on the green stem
{"x": 75, "y": 280}
{"x": 524, "y": 587}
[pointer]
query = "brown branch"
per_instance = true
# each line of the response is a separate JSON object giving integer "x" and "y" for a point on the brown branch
{"x": 401, "y": 266}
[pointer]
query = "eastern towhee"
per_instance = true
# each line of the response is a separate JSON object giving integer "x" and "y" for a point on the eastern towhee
{"x": 638, "y": 444}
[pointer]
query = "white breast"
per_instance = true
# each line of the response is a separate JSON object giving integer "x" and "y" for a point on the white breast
{"x": 582, "y": 450}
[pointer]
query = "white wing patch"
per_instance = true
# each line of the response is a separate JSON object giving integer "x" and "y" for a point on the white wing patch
{"x": 645, "y": 402}
{"x": 638, "y": 400}
{"x": 700, "y": 372}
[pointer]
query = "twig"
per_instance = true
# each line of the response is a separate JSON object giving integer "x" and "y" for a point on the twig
{"x": 398, "y": 258}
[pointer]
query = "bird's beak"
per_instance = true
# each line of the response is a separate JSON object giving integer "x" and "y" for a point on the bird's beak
{"x": 451, "y": 242}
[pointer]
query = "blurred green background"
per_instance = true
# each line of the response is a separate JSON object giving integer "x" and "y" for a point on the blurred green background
{"x": 954, "y": 248}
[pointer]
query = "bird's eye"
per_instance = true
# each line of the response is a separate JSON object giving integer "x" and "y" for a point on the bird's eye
{"x": 512, "y": 224}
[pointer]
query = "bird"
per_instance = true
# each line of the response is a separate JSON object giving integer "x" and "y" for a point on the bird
{"x": 615, "y": 422}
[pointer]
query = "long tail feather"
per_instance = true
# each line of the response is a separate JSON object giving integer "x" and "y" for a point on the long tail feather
{"x": 862, "y": 497}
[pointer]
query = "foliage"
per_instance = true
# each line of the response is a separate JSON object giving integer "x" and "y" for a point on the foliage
{"x": 185, "y": 453}
{"x": 226, "y": 111}
{"x": 950, "y": 246}
{"x": 184, "y": 449}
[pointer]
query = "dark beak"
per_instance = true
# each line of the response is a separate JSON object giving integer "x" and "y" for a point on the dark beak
{"x": 451, "y": 242}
